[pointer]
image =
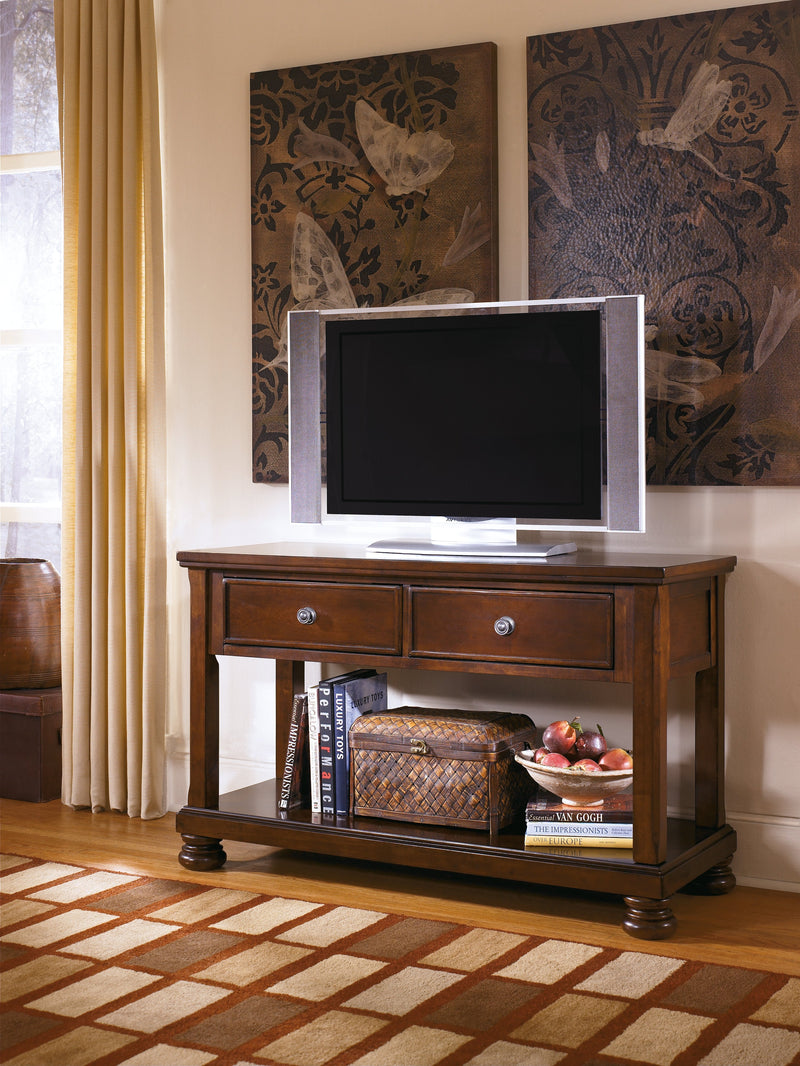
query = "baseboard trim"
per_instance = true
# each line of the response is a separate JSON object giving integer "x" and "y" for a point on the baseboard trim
{"x": 767, "y": 852}
{"x": 233, "y": 774}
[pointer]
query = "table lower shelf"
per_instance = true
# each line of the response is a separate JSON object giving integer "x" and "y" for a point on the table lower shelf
{"x": 251, "y": 815}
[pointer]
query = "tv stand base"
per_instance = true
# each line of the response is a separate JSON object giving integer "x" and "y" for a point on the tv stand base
{"x": 513, "y": 550}
{"x": 639, "y": 620}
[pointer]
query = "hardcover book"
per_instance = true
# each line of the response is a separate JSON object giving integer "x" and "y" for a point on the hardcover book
{"x": 327, "y": 762}
{"x": 560, "y": 840}
{"x": 549, "y": 822}
{"x": 313, "y": 749}
{"x": 351, "y": 699}
{"x": 295, "y": 789}
{"x": 545, "y": 807}
{"x": 579, "y": 829}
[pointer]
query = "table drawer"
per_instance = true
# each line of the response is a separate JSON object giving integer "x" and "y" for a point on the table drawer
{"x": 306, "y": 614}
{"x": 554, "y": 628}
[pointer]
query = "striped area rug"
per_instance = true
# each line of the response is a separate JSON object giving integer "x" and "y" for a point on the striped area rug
{"x": 109, "y": 968}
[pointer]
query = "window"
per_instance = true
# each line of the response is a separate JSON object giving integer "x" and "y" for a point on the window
{"x": 30, "y": 284}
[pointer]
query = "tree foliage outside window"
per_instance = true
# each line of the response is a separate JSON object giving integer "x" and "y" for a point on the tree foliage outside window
{"x": 30, "y": 284}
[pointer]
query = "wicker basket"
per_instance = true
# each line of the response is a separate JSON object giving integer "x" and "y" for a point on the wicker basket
{"x": 452, "y": 768}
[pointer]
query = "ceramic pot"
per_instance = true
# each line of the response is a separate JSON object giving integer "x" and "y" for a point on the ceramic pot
{"x": 30, "y": 624}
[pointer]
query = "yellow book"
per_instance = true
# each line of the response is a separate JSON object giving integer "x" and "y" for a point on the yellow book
{"x": 559, "y": 841}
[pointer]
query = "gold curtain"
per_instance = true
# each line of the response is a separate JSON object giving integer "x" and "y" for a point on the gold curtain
{"x": 113, "y": 523}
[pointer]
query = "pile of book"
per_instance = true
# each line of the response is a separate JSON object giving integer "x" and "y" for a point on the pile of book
{"x": 549, "y": 822}
{"x": 317, "y": 767}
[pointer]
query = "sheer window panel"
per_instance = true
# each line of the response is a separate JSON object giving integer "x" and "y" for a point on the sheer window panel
{"x": 30, "y": 449}
{"x": 30, "y": 103}
{"x": 30, "y": 285}
{"x": 31, "y": 261}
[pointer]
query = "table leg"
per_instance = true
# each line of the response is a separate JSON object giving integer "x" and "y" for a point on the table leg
{"x": 717, "y": 881}
{"x": 201, "y": 853}
{"x": 649, "y": 919}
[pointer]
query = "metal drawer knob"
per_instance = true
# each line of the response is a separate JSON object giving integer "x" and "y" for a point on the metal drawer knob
{"x": 306, "y": 616}
{"x": 504, "y": 626}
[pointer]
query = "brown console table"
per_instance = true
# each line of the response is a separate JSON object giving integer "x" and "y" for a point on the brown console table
{"x": 637, "y": 619}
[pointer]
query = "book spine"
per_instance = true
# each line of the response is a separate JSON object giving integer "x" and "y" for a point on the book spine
{"x": 299, "y": 788}
{"x": 578, "y": 817}
{"x": 621, "y": 829}
{"x": 340, "y": 773}
{"x": 353, "y": 698}
{"x": 560, "y": 840}
{"x": 285, "y": 797}
{"x": 313, "y": 749}
{"x": 326, "y": 760}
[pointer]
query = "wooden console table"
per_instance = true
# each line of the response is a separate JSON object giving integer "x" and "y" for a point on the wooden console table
{"x": 639, "y": 619}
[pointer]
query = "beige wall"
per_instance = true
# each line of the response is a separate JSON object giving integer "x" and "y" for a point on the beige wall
{"x": 207, "y": 51}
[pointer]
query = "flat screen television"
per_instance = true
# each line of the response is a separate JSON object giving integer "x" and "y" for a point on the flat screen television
{"x": 482, "y": 418}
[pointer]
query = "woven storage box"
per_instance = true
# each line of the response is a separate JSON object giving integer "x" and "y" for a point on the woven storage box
{"x": 441, "y": 767}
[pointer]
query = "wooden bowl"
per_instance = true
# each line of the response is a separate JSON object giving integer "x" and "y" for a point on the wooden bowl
{"x": 576, "y": 787}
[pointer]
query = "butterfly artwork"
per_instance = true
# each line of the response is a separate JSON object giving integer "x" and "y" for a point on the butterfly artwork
{"x": 319, "y": 280}
{"x": 704, "y": 101}
{"x": 374, "y": 184}
{"x": 407, "y": 162}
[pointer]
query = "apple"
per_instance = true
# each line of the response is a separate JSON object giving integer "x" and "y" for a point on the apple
{"x": 539, "y": 754}
{"x": 616, "y": 759}
{"x": 552, "y": 758}
{"x": 590, "y": 744}
{"x": 588, "y": 766}
{"x": 560, "y": 737}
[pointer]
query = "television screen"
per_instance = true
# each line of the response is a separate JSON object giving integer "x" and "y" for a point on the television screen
{"x": 480, "y": 421}
{"x": 480, "y": 415}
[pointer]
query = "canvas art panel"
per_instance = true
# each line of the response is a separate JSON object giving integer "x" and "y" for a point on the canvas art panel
{"x": 664, "y": 158}
{"x": 374, "y": 183}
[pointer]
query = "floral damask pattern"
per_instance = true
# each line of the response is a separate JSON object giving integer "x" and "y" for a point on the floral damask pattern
{"x": 373, "y": 183}
{"x": 664, "y": 158}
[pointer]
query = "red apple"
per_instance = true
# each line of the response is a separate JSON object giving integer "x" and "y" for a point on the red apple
{"x": 539, "y": 754}
{"x": 588, "y": 766}
{"x": 616, "y": 759}
{"x": 560, "y": 737}
{"x": 552, "y": 758}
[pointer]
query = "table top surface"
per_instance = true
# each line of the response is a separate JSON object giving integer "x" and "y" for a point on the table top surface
{"x": 288, "y": 555}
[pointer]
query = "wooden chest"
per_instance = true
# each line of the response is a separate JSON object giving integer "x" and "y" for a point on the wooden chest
{"x": 451, "y": 768}
{"x": 30, "y": 744}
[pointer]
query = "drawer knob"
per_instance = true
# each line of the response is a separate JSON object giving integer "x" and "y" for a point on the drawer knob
{"x": 504, "y": 626}
{"x": 306, "y": 616}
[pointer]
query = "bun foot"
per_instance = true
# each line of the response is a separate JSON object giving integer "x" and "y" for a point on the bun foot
{"x": 649, "y": 919}
{"x": 716, "y": 881}
{"x": 201, "y": 853}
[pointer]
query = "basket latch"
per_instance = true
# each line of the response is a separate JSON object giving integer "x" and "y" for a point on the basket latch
{"x": 419, "y": 747}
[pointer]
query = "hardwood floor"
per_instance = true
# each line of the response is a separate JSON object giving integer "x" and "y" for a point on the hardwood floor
{"x": 749, "y": 927}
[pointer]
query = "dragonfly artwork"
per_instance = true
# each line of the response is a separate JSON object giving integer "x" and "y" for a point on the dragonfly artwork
{"x": 664, "y": 159}
{"x": 703, "y": 103}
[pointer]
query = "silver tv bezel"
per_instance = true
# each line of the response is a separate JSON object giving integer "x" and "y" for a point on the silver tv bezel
{"x": 623, "y": 503}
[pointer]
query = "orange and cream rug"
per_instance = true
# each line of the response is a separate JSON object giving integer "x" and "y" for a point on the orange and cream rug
{"x": 112, "y": 969}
